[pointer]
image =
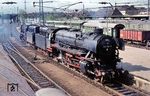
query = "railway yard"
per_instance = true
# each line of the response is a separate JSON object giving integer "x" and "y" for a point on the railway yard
{"x": 36, "y": 70}
{"x": 49, "y": 60}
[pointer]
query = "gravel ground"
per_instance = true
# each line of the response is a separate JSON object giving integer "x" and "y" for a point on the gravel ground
{"x": 73, "y": 84}
{"x": 137, "y": 61}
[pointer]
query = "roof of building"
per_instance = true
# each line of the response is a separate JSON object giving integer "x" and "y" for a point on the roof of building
{"x": 116, "y": 13}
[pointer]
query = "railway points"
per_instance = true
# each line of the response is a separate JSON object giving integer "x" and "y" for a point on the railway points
{"x": 9, "y": 74}
{"x": 30, "y": 71}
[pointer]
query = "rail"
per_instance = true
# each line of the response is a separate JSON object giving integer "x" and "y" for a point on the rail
{"x": 31, "y": 72}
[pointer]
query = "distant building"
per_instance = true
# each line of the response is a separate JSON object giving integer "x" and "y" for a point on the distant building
{"x": 131, "y": 10}
{"x": 101, "y": 13}
{"x": 116, "y": 14}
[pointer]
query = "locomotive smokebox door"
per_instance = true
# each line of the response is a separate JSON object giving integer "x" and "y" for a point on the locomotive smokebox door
{"x": 121, "y": 44}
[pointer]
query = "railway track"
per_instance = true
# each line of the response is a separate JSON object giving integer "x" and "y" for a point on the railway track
{"x": 124, "y": 90}
{"x": 138, "y": 46}
{"x": 30, "y": 71}
{"x": 115, "y": 89}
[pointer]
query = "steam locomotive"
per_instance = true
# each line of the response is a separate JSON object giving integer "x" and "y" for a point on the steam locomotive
{"x": 91, "y": 53}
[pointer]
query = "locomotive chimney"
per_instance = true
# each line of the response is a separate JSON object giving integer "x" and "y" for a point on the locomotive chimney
{"x": 98, "y": 31}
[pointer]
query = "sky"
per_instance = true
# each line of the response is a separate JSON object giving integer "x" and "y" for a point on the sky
{"x": 57, "y": 3}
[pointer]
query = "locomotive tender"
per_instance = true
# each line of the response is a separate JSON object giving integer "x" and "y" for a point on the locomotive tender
{"x": 92, "y": 53}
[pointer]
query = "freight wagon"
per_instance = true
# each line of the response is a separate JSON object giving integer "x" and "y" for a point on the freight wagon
{"x": 136, "y": 36}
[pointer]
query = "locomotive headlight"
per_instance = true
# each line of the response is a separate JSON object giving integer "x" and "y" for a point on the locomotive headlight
{"x": 107, "y": 49}
{"x": 103, "y": 73}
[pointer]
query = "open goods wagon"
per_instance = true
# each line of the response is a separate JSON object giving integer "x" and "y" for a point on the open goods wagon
{"x": 140, "y": 36}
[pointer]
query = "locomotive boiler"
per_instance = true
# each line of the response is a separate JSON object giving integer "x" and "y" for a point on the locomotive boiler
{"x": 93, "y": 53}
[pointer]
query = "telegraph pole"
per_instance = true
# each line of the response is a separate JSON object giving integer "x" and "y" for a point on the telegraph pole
{"x": 25, "y": 9}
{"x": 25, "y": 5}
{"x": 148, "y": 10}
{"x": 83, "y": 12}
{"x": 43, "y": 19}
{"x": 41, "y": 12}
